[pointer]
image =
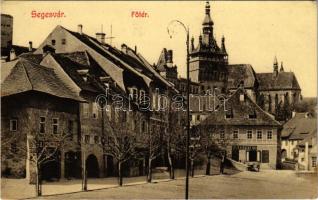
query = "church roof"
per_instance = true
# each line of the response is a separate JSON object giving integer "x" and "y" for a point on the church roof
{"x": 241, "y": 73}
{"x": 283, "y": 81}
{"x": 21, "y": 75}
{"x": 240, "y": 111}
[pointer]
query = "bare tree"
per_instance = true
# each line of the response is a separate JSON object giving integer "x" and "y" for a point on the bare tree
{"x": 39, "y": 148}
{"x": 120, "y": 142}
{"x": 174, "y": 135}
{"x": 44, "y": 149}
{"x": 195, "y": 149}
{"x": 213, "y": 141}
{"x": 154, "y": 145}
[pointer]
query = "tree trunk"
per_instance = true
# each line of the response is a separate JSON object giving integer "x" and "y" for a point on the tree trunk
{"x": 192, "y": 168}
{"x": 208, "y": 166}
{"x": 149, "y": 175}
{"x": 37, "y": 181}
{"x": 171, "y": 172}
{"x": 120, "y": 175}
{"x": 84, "y": 174}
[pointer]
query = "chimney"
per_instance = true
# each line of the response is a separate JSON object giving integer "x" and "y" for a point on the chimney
{"x": 12, "y": 54}
{"x": 169, "y": 58}
{"x": 101, "y": 37}
{"x": 80, "y": 29}
{"x": 242, "y": 97}
{"x": 30, "y": 46}
{"x": 124, "y": 48}
{"x": 135, "y": 48}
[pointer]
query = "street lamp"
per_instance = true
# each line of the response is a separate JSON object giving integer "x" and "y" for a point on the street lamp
{"x": 170, "y": 32}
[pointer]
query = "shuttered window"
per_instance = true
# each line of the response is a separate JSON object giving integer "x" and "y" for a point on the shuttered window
{"x": 265, "y": 156}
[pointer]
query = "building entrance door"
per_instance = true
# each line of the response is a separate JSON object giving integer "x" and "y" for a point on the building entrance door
{"x": 253, "y": 155}
{"x": 92, "y": 166}
{"x": 235, "y": 154}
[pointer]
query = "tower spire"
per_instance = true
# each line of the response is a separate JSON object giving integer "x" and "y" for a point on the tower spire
{"x": 223, "y": 44}
{"x": 281, "y": 67}
{"x": 207, "y": 19}
{"x": 207, "y": 8}
{"x": 275, "y": 67}
{"x": 207, "y": 27}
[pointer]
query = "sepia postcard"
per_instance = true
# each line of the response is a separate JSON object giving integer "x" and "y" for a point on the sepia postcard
{"x": 159, "y": 100}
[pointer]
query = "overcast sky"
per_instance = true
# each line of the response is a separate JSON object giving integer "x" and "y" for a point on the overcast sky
{"x": 254, "y": 31}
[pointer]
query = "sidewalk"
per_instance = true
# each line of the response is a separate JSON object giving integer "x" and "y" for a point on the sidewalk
{"x": 21, "y": 189}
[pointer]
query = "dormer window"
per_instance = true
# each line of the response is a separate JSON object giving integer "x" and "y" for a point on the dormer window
{"x": 106, "y": 80}
{"x": 252, "y": 115}
{"x": 83, "y": 73}
{"x": 229, "y": 113}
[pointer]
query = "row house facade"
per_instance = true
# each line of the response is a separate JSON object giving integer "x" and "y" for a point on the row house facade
{"x": 299, "y": 141}
{"x": 243, "y": 129}
{"x": 37, "y": 110}
{"x": 89, "y": 68}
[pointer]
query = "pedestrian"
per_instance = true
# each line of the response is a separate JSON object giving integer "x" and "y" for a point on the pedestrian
{"x": 222, "y": 164}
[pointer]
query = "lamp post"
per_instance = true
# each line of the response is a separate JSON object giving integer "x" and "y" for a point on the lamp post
{"x": 177, "y": 22}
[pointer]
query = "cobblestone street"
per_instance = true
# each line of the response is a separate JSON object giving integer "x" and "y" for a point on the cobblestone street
{"x": 265, "y": 184}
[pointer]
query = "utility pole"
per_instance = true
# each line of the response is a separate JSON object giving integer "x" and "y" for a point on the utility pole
{"x": 188, "y": 105}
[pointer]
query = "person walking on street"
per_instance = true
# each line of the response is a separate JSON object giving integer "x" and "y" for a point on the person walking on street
{"x": 222, "y": 163}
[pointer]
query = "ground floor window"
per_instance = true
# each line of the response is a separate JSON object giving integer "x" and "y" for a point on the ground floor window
{"x": 265, "y": 156}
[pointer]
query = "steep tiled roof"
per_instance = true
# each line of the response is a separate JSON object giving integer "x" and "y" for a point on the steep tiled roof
{"x": 240, "y": 111}
{"x": 108, "y": 52}
{"x": 299, "y": 127}
{"x": 71, "y": 62}
{"x": 283, "y": 80}
{"x": 239, "y": 73}
{"x": 17, "y": 49}
{"x": 22, "y": 75}
{"x": 35, "y": 58}
{"x": 311, "y": 139}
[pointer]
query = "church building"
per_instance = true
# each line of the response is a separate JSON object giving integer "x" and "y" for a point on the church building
{"x": 275, "y": 92}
